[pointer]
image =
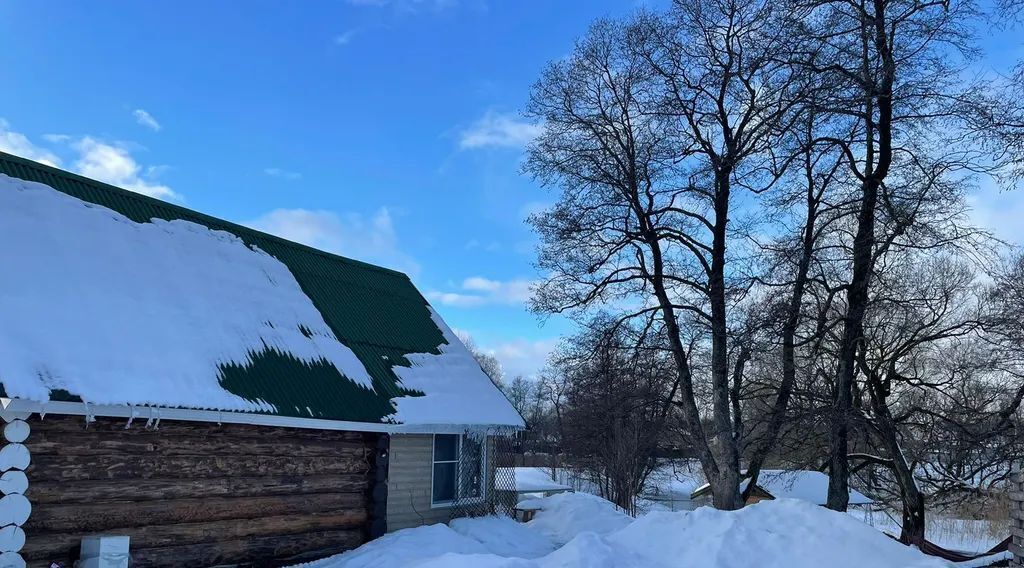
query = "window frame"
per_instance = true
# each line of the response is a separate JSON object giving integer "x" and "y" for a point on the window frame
{"x": 458, "y": 473}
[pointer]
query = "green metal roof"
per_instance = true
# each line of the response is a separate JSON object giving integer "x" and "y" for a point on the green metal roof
{"x": 376, "y": 312}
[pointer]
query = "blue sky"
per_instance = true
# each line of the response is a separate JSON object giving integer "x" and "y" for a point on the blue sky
{"x": 384, "y": 130}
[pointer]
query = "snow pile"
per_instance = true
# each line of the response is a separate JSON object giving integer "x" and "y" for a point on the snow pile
{"x": 772, "y": 534}
{"x": 566, "y": 515}
{"x": 120, "y": 312}
{"x": 781, "y": 533}
{"x": 533, "y": 479}
{"x": 407, "y": 547}
{"x": 457, "y": 389}
{"x": 504, "y": 537}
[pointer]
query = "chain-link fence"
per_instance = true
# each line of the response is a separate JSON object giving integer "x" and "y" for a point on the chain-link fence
{"x": 486, "y": 476}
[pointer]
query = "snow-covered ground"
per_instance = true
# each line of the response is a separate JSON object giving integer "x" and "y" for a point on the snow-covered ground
{"x": 967, "y": 535}
{"x": 580, "y": 530}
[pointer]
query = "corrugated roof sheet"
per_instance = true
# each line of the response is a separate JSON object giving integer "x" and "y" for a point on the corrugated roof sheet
{"x": 376, "y": 312}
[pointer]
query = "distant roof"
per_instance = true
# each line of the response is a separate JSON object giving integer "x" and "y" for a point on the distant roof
{"x": 112, "y": 297}
{"x": 806, "y": 485}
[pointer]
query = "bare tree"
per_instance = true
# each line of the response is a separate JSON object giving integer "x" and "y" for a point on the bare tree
{"x": 650, "y": 127}
{"x": 489, "y": 363}
{"x": 891, "y": 70}
{"x": 614, "y": 379}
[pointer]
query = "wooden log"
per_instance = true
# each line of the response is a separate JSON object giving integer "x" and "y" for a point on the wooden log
{"x": 89, "y": 491}
{"x": 53, "y": 423}
{"x": 42, "y": 546}
{"x": 121, "y": 466}
{"x": 261, "y": 551}
{"x": 94, "y": 443}
{"x": 102, "y": 516}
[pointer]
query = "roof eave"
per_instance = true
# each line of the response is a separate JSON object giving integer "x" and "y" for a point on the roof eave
{"x": 11, "y": 408}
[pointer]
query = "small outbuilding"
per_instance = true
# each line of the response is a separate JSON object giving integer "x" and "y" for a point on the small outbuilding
{"x": 806, "y": 485}
{"x": 218, "y": 395}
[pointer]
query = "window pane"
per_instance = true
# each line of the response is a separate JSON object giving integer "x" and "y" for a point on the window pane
{"x": 446, "y": 447}
{"x": 444, "y": 482}
{"x": 471, "y": 474}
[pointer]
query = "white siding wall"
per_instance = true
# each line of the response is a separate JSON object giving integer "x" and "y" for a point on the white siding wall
{"x": 409, "y": 472}
{"x": 410, "y": 467}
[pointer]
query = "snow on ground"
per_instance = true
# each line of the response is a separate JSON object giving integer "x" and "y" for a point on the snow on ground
{"x": 404, "y": 548}
{"x": 457, "y": 390}
{"x": 566, "y": 515}
{"x": 966, "y": 535}
{"x": 120, "y": 312}
{"x": 590, "y": 533}
{"x": 504, "y": 536}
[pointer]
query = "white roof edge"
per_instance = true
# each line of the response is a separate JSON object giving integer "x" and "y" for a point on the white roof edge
{"x": 11, "y": 408}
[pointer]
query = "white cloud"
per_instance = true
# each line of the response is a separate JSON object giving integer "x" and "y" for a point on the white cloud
{"x": 345, "y": 38}
{"x": 18, "y": 144}
{"x": 146, "y": 119}
{"x": 999, "y": 211}
{"x": 495, "y": 130}
{"x": 479, "y": 291}
{"x": 281, "y": 173}
{"x": 98, "y": 160}
{"x": 116, "y": 166}
{"x": 371, "y": 239}
{"x": 521, "y": 356}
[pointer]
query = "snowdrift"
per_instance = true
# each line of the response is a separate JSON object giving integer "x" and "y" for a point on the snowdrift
{"x": 589, "y": 532}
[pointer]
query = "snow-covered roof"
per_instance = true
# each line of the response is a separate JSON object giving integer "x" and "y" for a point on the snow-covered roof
{"x": 533, "y": 480}
{"x": 111, "y": 298}
{"x": 806, "y": 485}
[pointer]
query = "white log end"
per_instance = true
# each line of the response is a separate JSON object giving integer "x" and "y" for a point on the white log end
{"x": 17, "y": 431}
{"x": 14, "y": 510}
{"x": 12, "y": 538}
{"x": 11, "y": 560}
{"x": 13, "y": 481}
{"x": 14, "y": 456}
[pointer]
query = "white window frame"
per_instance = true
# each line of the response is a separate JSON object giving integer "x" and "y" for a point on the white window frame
{"x": 458, "y": 473}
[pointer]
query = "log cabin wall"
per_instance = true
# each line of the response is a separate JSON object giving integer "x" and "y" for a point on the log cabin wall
{"x": 195, "y": 494}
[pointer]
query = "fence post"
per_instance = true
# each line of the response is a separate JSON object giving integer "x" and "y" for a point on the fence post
{"x": 1017, "y": 518}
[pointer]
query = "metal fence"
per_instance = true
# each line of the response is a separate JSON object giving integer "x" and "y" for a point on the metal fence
{"x": 488, "y": 485}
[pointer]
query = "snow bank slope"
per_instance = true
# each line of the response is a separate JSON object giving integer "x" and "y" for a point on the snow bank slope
{"x": 407, "y": 547}
{"x": 785, "y": 533}
{"x": 771, "y": 534}
{"x": 120, "y": 312}
{"x": 566, "y": 515}
{"x": 504, "y": 536}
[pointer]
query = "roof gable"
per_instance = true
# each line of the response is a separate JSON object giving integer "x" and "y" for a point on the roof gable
{"x": 374, "y": 313}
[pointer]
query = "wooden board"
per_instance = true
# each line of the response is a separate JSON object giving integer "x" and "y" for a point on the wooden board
{"x": 196, "y": 494}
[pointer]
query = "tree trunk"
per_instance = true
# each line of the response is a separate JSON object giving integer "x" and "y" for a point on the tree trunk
{"x": 877, "y": 162}
{"x": 760, "y": 453}
{"x": 725, "y": 487}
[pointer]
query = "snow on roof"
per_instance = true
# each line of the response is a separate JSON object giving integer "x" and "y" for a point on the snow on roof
{"x": 457, "y": 389}
{"x": 105, "y": 308}
{"x": 806, "y": 485}
{"x": 533, "y": 480}
{"x": 676, "y": 480}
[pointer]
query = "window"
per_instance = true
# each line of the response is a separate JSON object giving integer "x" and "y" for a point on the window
{"x": 458, "y": 469}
